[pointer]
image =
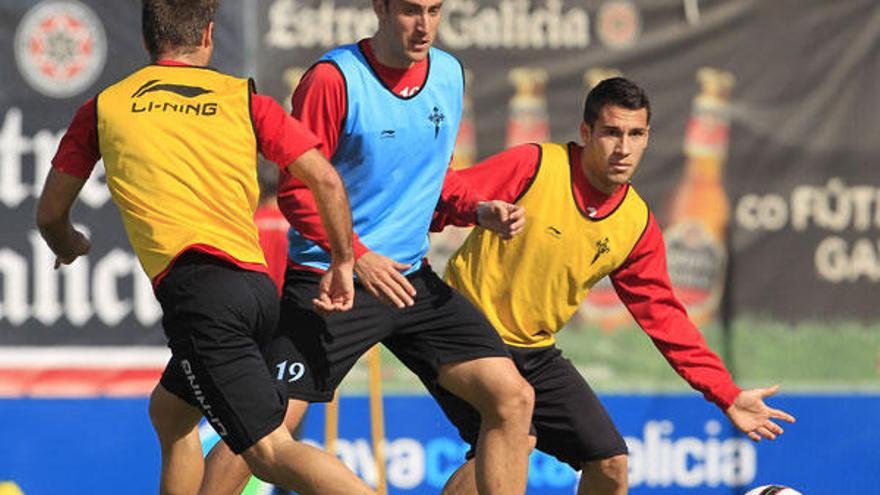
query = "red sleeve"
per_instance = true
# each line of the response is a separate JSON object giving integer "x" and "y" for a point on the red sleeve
{"x": 78, "y": 151}
{"x": 503, "y": 176}
{"x": 643, "y": 284}
{"x": 319, "y": 102}
{"x": 280, "y": 137}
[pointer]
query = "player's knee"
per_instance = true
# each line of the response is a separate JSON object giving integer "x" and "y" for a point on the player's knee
{"x": 514, "y": 401}
{"x": 263, "y": 457}
{"x": 610, "y": 473}
{"x": 263, "y": 467}
{"x": 525, "y": 398}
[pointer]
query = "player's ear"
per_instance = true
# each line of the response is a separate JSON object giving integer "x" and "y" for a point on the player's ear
{"x": 586, "y": 132}
{"x": 380, "y": 7}
{"x": 208, "y": 35}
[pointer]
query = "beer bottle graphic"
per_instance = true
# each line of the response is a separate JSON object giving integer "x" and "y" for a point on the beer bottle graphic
{"x": 699, "y": 209}
{"x": 602, "y": 306}
{"x": 528, "y": 121}
{"x": 466, "y": 142}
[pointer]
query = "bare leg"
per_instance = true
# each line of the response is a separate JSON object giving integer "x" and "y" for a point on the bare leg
{"x": 604, "y": 477}
{"x": 227, "y": 473}
{"x": 280, "y": 460}
{"x": 176, "y": 424}
{"x": 463, "y": 481}
{"x": 505, "y": 401}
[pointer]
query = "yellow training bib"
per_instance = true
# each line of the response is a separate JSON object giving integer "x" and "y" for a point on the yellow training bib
{"x": 531, "y": 285}
{"x": 180, "y": 154}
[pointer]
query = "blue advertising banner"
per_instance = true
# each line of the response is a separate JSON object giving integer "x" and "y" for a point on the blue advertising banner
{"x": 679, "y": 444}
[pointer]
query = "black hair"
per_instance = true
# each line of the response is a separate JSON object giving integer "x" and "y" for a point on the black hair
{"x": 175, "y": 24}
{"x": 617, "y": 91}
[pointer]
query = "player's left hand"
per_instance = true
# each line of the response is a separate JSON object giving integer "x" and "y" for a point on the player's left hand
{"x": 505, "y": 219}
{"x": 383, "y": 278}
{"x": 753, "y": 417}
{"x": 336, "y": 289}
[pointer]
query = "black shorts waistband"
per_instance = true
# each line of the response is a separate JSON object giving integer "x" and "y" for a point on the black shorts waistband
{"x": 196, "y": 257}
{"x": 292, "y": 270}
{"x": 423, "y": 270}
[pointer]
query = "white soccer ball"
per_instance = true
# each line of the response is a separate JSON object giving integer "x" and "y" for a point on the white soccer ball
{"x": 773, "y": 490}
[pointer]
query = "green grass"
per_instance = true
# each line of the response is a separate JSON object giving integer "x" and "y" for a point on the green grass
{"x": 810, "y": 355}
{"x": 843, "y": 356}
{"x": 759, "y": 352}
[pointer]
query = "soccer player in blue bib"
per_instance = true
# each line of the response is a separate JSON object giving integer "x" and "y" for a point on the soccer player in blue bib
{"x": 387, "y": 111}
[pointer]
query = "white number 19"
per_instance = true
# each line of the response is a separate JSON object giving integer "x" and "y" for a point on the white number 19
{"x": 295, "y": 370}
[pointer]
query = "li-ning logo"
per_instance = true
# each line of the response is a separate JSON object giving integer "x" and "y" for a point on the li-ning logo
{"x": 387, "y": 133}
{"x": 200, "y": 396}
{"x": 155, "y": 86}
{"x": 437, "y": 118}
{"x": 601, "y": 248}
{"x": 554, "y": 232}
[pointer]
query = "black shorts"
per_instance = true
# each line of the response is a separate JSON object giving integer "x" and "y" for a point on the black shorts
{"x": 311, "y": 354}
{"x": 569, "y": 421}
{"x": 217, "y": 318}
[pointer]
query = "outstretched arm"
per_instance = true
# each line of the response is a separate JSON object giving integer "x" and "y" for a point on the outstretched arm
{"x": 643, "y": 285}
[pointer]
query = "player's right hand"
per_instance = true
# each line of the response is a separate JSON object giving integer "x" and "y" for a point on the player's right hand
{"x": 79, "y": 245}
{"x": 505, "y": 219}
{"x": 336, "y": 289}
{"x": 754, "y": 417}
{"x": 383, "y": 277}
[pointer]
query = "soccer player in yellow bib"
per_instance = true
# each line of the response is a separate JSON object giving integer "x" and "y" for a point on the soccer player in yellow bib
{"x": 179, "y": 142}
{"x": 584, "y": 221}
